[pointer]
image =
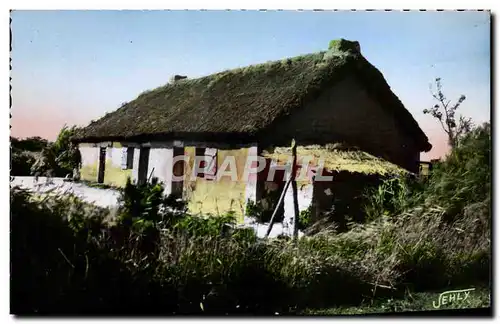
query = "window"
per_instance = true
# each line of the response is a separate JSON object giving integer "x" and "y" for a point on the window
{"x": 206, "y": 159}
{"x": 211, "y": 158}
{"x": 200, "y": 162}
{"x": 102, "y": 164}
{"x": 130, "y": 157}
{"x": 127, "y": 158}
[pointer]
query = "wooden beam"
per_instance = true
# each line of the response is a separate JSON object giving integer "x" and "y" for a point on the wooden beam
{"x": 280, "y": 201}
{"x": 270, "y": 227}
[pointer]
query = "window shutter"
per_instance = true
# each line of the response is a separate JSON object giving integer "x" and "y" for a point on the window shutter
{"x": 130, "y": 157}
{"x": 211, "y": 156}
{"x": 124, "y": 158}
{"x": 199, "y": 152}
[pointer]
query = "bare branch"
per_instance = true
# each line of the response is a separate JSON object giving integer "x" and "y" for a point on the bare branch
{"x": 444, "y": 128}
{"x": 453, "y": 128}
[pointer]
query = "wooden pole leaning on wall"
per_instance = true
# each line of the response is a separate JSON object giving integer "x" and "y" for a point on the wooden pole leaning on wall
{"x": 280, "y": 200}
{"x": 294, "y": 192}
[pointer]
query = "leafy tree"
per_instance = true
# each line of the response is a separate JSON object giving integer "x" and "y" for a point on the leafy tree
{"x": 445, "y": 113}
{"x": 32, "y": 144}
{"x": 63, "y": 139}
{"x": 20, "y": 163}
{"x": 60, "y": 157}
{"x": 67, "y": 154}
{"x": 45, "y": 164}
{"x": 24, "y": 153}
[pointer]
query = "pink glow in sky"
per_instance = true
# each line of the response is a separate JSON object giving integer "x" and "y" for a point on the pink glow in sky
{"x": 69, "y": 67}
{"x": 47, "y": 125}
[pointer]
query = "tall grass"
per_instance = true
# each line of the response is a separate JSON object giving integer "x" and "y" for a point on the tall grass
{"x": 439, "y": 233}
{"x": 155, "y": 258}
{"x": 66, "y": 259}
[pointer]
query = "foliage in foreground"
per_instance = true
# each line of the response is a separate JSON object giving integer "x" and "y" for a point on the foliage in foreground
{"x": 24, "y": 154}
{"x": 154, "y": 258}
{"x": 51, "y": 159}
{"x": 479, "y": 298}
{"x": 30, "y": 144}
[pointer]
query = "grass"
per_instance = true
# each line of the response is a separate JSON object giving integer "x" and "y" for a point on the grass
{"x": 95, "y": 184}
{"x": 195, "y": 260}
{"x": 155, "y": 258}
{"x": 479, "y": 298}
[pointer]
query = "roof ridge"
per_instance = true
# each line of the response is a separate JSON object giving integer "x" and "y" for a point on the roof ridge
{"x": 244, "y": 100}
{"x": 283, "y": 60}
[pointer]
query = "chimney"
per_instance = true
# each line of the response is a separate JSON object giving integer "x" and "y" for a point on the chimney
{"x": 344, "y": 45}
{"x": 177, "y": 78}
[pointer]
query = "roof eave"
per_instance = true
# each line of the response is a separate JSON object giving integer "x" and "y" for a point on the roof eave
{"x": 229, "y": 138}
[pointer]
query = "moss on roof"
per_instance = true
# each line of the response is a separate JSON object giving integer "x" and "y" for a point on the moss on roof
{"x": 244, "y": 100}
{"x": 338, "y": 158}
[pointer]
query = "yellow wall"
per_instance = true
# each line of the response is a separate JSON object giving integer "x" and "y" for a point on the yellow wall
{"x": 203, "y": 196}
{"x": 89, "y": 172}
{"x": 114, "y": 175}
{"x": 217, "y": 197}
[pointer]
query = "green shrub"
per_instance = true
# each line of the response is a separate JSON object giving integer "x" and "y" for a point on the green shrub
{"x": 245, "y": 235}
{"x": 160, "y": 260}
{"x": 391, "y": 197}
{"x": 31, "y": 144}
{"x": 263, "y": 209}
{"x": 112, "y": 269}
{"x": 20, "y": 163}
{"x": 56, "y": 269}
{"x": 211, "y": 226}
{"x": 305, "y": 218}
{"x": 464, "y": 177}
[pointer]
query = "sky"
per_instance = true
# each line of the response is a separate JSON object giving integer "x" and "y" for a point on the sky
{"x": 71, "y": 67}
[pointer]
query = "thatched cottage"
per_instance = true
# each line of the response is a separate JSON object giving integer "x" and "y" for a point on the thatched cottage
{"x": 333, "y": 96}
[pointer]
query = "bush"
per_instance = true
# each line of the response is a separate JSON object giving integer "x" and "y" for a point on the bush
{"x": 67, "y": 259}
{"x": 20, "y": 164}
{"x": 433, "y": 233}
{"x": 211, "y": 226}
{"x": 263, "y": 210}
{"x": 52, "y": 159}
{"x": 31, "y": 144}
{"x": 464, "y": 178}
{"x": 196, "y": 270}
{"x": 305, "y": 218}
{"x": 158, "y": 259}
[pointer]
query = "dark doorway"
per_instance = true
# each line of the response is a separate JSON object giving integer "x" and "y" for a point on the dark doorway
{"x": 269, "y": 190}
{"x": 143, "y": 165}
{"x": 343, "y": 199}
{"x": 178, "y": 171}
{"x": 102, "y": 165}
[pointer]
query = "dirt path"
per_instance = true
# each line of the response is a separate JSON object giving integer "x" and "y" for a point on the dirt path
{"x": 99, "y": 197}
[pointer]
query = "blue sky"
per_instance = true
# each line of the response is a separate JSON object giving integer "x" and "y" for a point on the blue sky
{"x": 73, "y": 66}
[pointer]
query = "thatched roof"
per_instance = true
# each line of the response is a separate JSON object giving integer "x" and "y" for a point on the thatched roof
{"x": 240, "y": 103}
{"x": 337, "y": 158}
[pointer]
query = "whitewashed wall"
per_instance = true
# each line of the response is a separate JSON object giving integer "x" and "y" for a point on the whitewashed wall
{"x": 251, "y": 186}
{"x": 304, "y": 196}
{"x": 115, "y": 155}
{"x": 160, "y": 164}
{"x": 161, "y": 158}
{"x": 135, "y": 165}
{"x": 90, "y": 155}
